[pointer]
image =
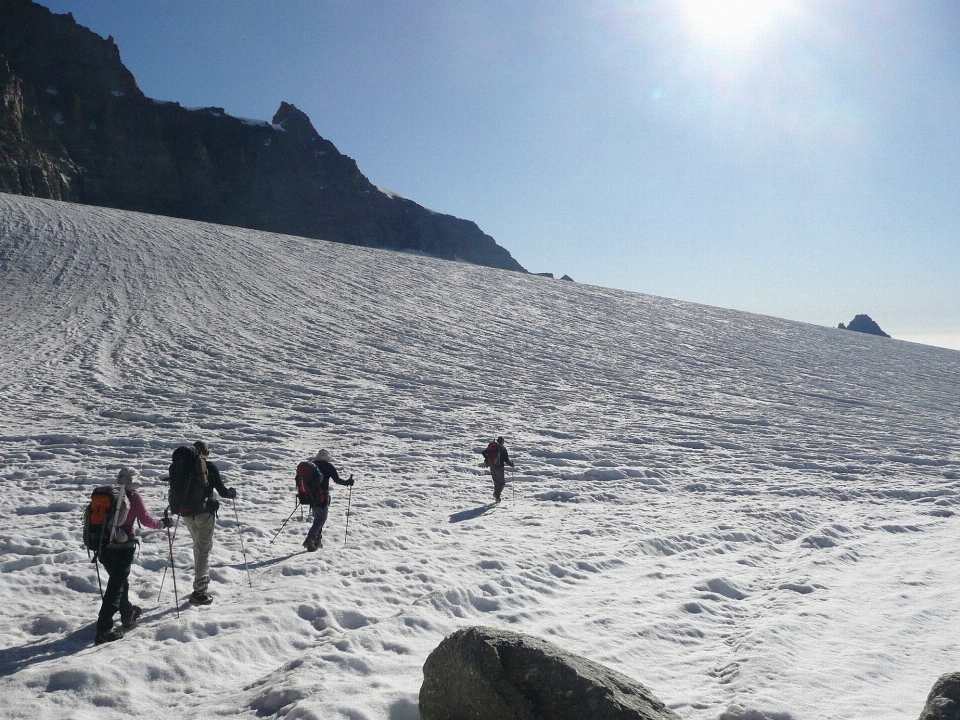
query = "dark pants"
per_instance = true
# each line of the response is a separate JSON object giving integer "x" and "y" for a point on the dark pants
{"x": 498, "y": 480}
{"x": 117, "y": 562}
{"x": 319, "y": 518}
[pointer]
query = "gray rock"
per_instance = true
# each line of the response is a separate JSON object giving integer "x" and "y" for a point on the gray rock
{"x": 480, "y": 672}
{"x": 863, "y": 324}
{"x": 943, "y": 703}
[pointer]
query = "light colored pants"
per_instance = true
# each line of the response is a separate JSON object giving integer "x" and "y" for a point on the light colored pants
{"x": 201, "y": 530}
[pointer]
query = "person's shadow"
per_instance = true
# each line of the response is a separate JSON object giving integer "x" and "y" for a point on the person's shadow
{"x": 14, "y": 659}
{"x": 470, "y": 514}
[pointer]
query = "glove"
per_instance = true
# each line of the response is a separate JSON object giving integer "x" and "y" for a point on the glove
{"x": 231, "y": 493}
{"x": 166, "y": 522}
{"x": 350, "y": 482}
{"x": 212, "y": 505}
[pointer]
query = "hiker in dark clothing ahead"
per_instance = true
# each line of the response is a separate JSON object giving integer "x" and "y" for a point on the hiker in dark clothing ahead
{"x": 318, "y": 486}
{"x": 201, "y": 521}
{"x": 495, "y": 457}
{"x": 117, "y": 558}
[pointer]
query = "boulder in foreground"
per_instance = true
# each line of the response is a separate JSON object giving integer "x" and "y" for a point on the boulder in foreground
{"x": 481, "y": 672}
{"x": 943, "y": 703}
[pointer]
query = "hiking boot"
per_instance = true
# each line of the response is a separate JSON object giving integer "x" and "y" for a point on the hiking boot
{"x": 131, "y": 622}
{"x": 198, "y": 597}
{"x": 496, "y": 498}
{"x": 108, "y": 636}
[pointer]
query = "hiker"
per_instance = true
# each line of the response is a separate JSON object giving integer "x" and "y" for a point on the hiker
{"x": 495, "y": 457}
{"x": 200, "y": 520}
{"x": 117, "y": 558}
{"x": 317, "y": 485}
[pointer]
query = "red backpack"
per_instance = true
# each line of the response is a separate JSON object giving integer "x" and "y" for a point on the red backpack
{"x": 306, "y": 495}
{"x": 492, "y": 453}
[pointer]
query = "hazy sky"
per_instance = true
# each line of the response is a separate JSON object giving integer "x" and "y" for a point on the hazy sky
{"x": 786, "y": 157}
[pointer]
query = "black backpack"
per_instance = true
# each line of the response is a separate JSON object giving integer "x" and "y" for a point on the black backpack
{"x": 188, "y": 481}
{"x": 102, "y": 520}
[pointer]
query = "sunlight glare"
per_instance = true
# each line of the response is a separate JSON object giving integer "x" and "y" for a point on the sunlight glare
{"x": 734, "y": 24}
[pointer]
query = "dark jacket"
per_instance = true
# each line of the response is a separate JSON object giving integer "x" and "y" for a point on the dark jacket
{"x": 503, "y": 458}
{"x": 320, "y": 479}
{"x": 214, "y": 482}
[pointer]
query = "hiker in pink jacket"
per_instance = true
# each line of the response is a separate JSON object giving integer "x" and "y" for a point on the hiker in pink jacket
{"x": 117, "y": 558}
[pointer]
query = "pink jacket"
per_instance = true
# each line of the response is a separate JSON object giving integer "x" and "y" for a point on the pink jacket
{"x": 138, "y": 511}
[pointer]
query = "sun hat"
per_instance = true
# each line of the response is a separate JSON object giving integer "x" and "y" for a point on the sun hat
{"x": 129, "y": 478}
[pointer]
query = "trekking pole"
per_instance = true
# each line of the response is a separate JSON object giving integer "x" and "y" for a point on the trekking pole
{"x": 349, "y": 498}
{"x": 166, "y": 513}
{"x": 286, "y": 521}
{"x": 173, "y": 569}
{"x": 97, "y": 566}
{"x": 242, "y": 549}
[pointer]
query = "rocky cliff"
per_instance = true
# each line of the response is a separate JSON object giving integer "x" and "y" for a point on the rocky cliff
{"x": 76, "y": 127}
{"x": 864, "y": 324}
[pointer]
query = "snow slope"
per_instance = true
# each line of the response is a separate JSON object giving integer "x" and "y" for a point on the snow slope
{"x": 753, "y": 517}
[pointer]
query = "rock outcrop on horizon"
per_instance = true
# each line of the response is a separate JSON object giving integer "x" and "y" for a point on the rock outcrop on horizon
{"x": 482, "y": 672}
{"x": 863, "y": 324}
{"x": 75, "y": 126}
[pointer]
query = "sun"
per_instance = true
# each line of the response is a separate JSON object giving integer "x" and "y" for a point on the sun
{"x": 734, "y": 24}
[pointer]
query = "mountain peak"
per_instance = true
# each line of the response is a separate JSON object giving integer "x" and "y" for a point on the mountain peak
{"x": 294, "y": 120}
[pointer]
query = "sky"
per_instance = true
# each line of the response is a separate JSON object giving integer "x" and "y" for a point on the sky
{"x": 794, "y": 159}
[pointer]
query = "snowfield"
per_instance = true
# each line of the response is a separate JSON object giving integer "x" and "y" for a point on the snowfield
{"x": 753, "y": 517}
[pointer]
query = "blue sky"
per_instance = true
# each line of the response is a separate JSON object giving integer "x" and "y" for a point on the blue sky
{"x": 796, "y": 159}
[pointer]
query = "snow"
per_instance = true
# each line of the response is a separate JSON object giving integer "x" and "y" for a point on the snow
{"x": 753, "y": 517}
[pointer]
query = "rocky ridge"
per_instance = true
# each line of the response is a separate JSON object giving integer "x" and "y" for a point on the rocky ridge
{"x": 75, "y": 126}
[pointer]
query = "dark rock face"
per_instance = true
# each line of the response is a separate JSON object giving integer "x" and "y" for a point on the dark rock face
{"x": 480, "y": 672}
{"x": 943, "y": 703}
{"x": 76, "y": 127}
{"x": 863, "y": 324}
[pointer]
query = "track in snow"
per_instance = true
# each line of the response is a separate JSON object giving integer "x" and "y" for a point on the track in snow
{"x": 736, "y": 510}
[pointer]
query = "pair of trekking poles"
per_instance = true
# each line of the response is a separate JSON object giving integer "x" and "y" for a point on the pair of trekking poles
{"x": 173, "y": 568}
{"x": 346, "y": 528}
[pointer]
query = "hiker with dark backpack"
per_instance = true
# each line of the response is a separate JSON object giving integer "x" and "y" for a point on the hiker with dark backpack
{"x": 108, "y": 532}
{"x": 193, "y": 479}
{"x": 495, "y": 457}
{"x": 313, "y": 489}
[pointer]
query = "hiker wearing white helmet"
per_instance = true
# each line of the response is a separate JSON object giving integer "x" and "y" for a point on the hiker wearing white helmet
{"x": 316, "y": 485}
{"x": 117, "y": 558}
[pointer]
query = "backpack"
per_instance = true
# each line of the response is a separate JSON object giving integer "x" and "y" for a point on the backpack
{"x": 104, "y": 517}
{"x": 492, "y": 453}
{"x": 305, "y": 494}
{"x": 188, "y": 481}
